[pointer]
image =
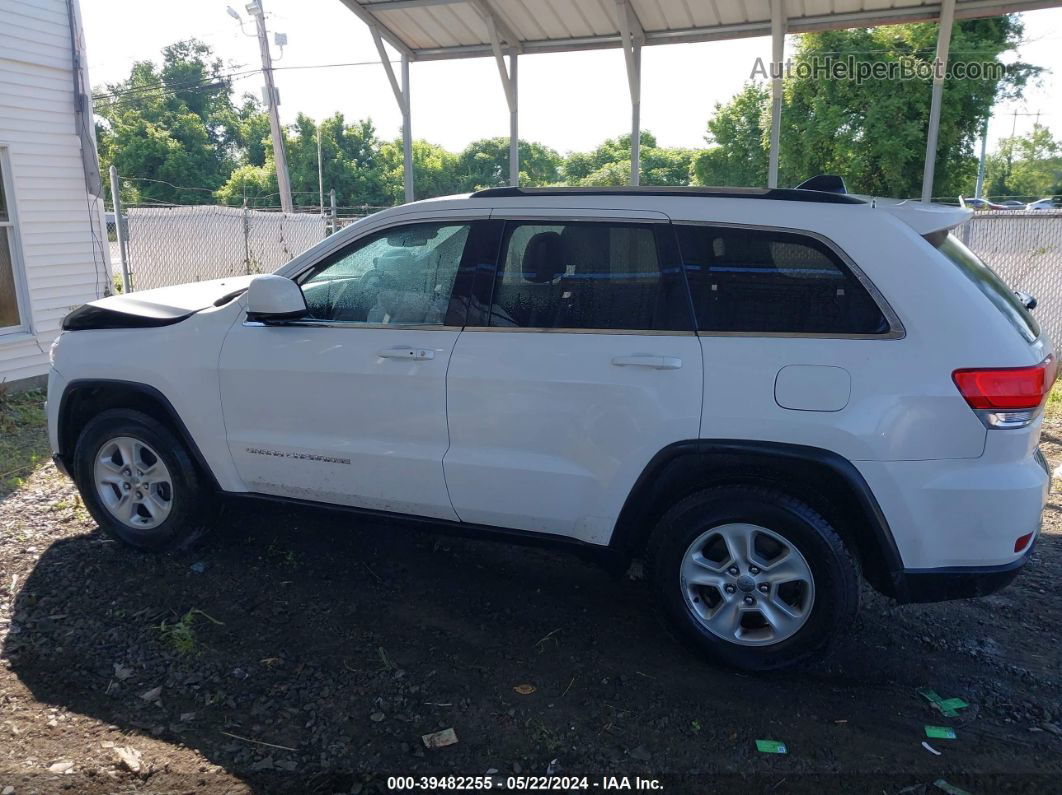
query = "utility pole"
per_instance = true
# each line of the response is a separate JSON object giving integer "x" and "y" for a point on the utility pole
{"x": 119, "y": 231}
{"x": 981, "y": 166}
{"x": 320, "y": 170}
{"x": 254, "y": 8}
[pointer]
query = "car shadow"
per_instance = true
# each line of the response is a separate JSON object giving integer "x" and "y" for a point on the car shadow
{"x": 305, "y": 645}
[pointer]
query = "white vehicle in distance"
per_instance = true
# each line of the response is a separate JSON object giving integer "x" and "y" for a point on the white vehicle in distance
{"x": 767, "y": 395}
{"x": 1050, "y": 203}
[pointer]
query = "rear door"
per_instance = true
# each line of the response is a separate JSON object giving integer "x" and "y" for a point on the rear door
{"x": 577, "y": 364}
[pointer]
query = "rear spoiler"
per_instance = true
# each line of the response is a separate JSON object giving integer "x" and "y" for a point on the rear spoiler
{"x": 923, "y": 218}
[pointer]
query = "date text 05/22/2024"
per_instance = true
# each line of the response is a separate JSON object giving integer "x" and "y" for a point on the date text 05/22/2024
{"x": 525, "y": 783}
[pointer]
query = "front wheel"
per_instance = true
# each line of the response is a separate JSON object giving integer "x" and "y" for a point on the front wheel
{"x": 752, "y": 577}
{"x": 139, "y": 482}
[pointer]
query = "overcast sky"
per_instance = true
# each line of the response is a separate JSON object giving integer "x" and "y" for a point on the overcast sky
{"x": 569, "y": 101}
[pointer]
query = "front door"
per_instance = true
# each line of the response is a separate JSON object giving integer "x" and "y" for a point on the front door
{"x": 348, "y": 405}
{"x": 578, "y": 364}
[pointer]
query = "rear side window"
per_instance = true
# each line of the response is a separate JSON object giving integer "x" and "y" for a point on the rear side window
{"x": 974, "y": 269}
{"x": 766, "y": 281}
{"x": 587, "y": 275}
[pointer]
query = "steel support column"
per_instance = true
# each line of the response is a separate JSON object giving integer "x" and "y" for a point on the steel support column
{"x": 778, "y": 25}
{"x": 407, "y": 133}
{"x": 401, "y": 93}
{"x": 940, "y": 68}
{"x": 514, "y": 126}
{"x": 508, "y": 79}
{"x": 631, "y": 38}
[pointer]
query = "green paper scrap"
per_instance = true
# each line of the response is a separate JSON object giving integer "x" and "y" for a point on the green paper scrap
{"x": 771, "y": 747}
{"x": 948, "y": 706}
{"x": 940, "y": 732}
{"x": 953, "y": 703}
{"x": 951, "y": 789}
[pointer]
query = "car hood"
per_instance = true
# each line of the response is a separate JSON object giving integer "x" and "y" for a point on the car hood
{"x": 162, "y": 306}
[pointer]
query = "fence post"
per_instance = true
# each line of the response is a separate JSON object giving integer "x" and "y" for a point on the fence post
{"x": 332, "y": 210}
{"x": 119, "y": 231}
{"x": 246, "y": 238}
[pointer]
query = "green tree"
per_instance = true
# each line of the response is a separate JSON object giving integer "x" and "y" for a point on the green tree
{"x": 666, "y": 166}
{"x": 737, "y": 138}
{"x": 434, "y": 171}
{"x": 1029, "y": 166}
{"x": 485, "y": 164}
{"x": 255, "y": 184}
{"x": 168, "y": 128}
{"x": 580, "y": 166}
{"x": 874, "y": 132}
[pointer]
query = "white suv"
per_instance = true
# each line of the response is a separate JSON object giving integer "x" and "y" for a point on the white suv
{"x": 764, "y": 394}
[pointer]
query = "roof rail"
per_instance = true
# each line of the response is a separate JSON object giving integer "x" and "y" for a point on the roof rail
{"x": 773, "y": 194}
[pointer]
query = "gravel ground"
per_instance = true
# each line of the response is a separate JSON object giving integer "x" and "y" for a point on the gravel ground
{"x": 294, "y": 651}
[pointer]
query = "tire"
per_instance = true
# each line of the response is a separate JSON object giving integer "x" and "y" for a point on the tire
{"x": 174, "y": 496}
{"x": 689, "y": 555}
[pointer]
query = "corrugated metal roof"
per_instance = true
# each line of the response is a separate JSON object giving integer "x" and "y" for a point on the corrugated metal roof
{"x": 434, "y": 29}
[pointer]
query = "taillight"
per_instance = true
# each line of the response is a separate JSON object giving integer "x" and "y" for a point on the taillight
{"x": 1007, "y": 397}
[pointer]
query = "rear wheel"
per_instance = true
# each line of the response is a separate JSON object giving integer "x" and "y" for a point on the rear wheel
{"x": 752, "y": 577}
{"x": 139, "y": 482}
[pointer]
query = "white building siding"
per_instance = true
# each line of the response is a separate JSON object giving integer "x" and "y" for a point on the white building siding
{"x": 63, "y": 260}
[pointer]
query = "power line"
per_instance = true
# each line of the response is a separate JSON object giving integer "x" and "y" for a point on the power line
{"x": 164, "y": 90}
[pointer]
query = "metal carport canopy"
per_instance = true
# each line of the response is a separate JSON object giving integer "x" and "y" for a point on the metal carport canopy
{"x": 424, "y": 30}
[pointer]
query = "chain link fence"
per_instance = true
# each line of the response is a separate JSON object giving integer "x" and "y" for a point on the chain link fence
{"x": 1025, "y": 249}
{"x": 175, "y": 244}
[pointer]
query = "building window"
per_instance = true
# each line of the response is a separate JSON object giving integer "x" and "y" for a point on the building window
{"x": 10, "y": 316}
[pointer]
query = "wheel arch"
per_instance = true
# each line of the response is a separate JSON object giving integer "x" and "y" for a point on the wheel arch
{"x": 829, "y": 482}
{"x": 84, "y": 398}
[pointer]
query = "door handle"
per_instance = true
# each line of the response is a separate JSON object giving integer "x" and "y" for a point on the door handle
{"x": 405, "y": 352}
{"x": 647, "y": 360}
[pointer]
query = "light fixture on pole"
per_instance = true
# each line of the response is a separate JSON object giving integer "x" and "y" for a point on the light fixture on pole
{"x": 272, "y": 97}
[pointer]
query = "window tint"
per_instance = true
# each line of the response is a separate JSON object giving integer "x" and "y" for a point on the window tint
{"x": 402, "y": 276}
{"x": 586, "y": 276}
{"x": 988, "y": 283}
{"x": 754, "y": 280}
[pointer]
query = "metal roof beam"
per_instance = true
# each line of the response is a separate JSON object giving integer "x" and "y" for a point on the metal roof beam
{"x": 496, "y": 25}
{"x": 964, "y": 9}
{"x": 361, "y": 13}
{"x": 405, "y": 5}
{"x": 386, "y": 61}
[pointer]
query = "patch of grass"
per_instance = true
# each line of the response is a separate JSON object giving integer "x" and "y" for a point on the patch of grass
{"x": 181, "y": 635}
{"x": 23, "y": 437}
{"x": 1053, "y": 410}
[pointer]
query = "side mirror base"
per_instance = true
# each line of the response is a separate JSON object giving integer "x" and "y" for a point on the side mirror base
{"x": 274, "y": 298}
{"x": 274, "y": 317}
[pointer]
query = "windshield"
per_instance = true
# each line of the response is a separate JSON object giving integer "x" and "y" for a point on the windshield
{"x": 989, "y": 283}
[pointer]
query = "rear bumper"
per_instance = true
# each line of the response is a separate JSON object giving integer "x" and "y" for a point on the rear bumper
{"x": 957, "y": 582}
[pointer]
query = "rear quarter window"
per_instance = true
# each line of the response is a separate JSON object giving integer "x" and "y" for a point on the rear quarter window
{"x": 988, "y": 282}
{"x": 766, "y": 281}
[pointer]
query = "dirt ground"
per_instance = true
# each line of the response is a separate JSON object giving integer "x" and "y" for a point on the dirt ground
{"x": 303, "y": 651}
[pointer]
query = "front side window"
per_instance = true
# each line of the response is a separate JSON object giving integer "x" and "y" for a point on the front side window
{"x": 402, "y": 276}
{"x": 586, "y": 275}
{"x": 768, "y": 281}
{"x": 9, "y": 313}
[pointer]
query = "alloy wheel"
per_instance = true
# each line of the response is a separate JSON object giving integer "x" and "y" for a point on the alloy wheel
{"x": 133, "y": 483}
{"x": 747, "y": 584}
